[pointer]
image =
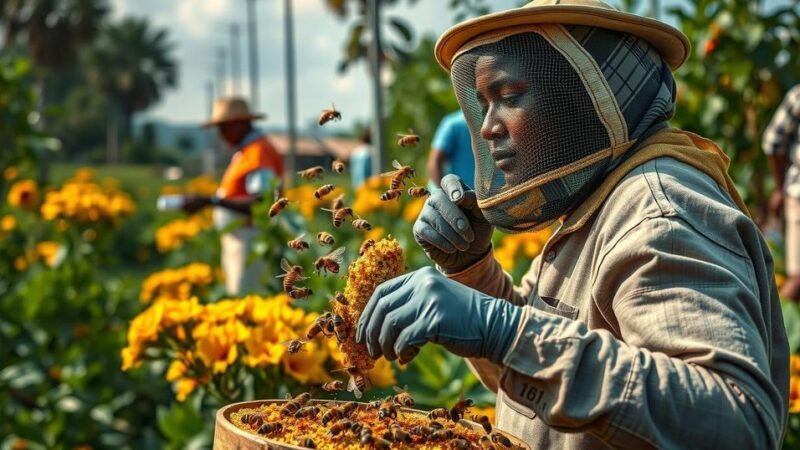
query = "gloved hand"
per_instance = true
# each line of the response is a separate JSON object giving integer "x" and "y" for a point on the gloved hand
{"x": 451, "y": 228}
{"x": 424, "y": 306}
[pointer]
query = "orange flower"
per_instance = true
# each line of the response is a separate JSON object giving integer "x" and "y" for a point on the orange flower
{"x": 8, "y": 223}
{"x": 49, "y": 251}
{"x": 24, "y": 194}
{"x": 10, "y": 173}
{"x": 184, "y": 387}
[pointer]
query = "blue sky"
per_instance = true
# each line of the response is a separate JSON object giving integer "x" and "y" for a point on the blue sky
{"x": 198, "y": 27}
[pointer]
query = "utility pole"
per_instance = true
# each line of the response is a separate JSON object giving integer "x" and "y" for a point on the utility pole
{"x": 252, "y": 39}
{"x": 374, "y": 13}
{"x": 210, "y": 155}
{"x": 236, "y": 68}
{"x": 655, "y": 9}
{"x": 220, "y": 71}
{"x": 291, "y": 161}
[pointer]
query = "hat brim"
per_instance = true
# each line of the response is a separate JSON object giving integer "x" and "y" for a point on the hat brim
{"x": 246, "y": 117}
{"x": 673, "y": 45}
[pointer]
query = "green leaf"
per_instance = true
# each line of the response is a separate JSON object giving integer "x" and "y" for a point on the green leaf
{"x": 791, "y": 318}
{"x": 180, "y": 423}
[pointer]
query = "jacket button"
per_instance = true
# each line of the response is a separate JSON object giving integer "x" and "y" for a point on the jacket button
{"x": 550, "y": 256}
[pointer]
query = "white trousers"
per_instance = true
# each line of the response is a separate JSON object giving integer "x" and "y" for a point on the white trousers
{"x": 241, "y": 276}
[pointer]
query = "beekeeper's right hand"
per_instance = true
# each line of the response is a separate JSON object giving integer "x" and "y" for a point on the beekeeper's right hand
{"x": 451, "y": 228}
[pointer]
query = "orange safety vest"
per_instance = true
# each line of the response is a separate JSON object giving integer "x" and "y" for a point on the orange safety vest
{"x": 259, "y": 154}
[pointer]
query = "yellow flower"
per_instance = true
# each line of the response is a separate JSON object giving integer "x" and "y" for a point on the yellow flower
{"x": 20, "y": 263}
{"x": 794, "y": 394}
{"x": 794, "y": 364}
{"x": 412, "y": 210}
{"x": 306, "y": 366}
{"x": 376, "y": 233}
{"x": 146, "y": 326}
{"x": 184, "y": 387}
{"x": 130, "y": 357}
{"x": 84, "y": 174}
{"x": 8, "y": 223}
{"x": 24, "y": 194}
{"x": 505, "y": 256}
{"x": 170, "y": 189}
{"x": 174, "y": 233}
{"x": 10, "y": 173}
{"x": 265, "y": 346}
{"x": 218, "y": 347}
{"x": 382, "y": 375}
{"x": 202, "y": 185}
{"x": 49, "y": 252}
{"x": 176, "y": 370}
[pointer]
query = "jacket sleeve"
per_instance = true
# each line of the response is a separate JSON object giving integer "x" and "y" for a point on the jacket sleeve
{"x": 488, "y": 277}
{"x": 686, "y": 367}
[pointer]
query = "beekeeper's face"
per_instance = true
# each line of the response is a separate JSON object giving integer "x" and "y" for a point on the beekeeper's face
{"x": 508, "y": 104}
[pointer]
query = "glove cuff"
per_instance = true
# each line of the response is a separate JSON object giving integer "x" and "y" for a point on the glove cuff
{"x": 470, "y": 268}
{"x": 503, "y": 321}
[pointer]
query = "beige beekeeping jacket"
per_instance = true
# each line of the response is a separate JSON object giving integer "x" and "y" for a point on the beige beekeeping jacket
{"x": 651, "y": 319}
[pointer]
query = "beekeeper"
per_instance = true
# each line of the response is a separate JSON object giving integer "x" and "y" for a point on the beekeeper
{"x": 652, "y": 319}
{"x": 255, "y": 168}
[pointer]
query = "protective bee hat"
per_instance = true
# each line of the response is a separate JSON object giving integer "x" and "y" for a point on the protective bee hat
{"x": 554, "y": 103}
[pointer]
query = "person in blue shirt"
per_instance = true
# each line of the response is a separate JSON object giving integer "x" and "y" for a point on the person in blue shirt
{"x": 451, "y": 150}
{"x": 361, "y": 160}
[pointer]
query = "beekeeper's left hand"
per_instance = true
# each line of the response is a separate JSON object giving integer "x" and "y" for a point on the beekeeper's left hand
{"x": 424, "y": 306}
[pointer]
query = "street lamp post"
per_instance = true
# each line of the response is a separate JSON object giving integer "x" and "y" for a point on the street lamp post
{"x": 252, "y": 39}
{"x": 374, "y": 13}
{"x": 236, "y": 68}
{"x": 290, "y": 91}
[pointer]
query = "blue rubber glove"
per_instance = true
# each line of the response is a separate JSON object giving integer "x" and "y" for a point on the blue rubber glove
{"x": 451, "y": 228}
{"x": 424, "y": 306}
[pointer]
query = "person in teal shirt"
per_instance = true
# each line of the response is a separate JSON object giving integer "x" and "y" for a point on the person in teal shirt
{"x": 361, "y": 161}
{"x": 451, "y": 151}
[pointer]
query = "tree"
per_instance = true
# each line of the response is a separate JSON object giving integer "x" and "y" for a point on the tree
{"x": 132, "y": 64}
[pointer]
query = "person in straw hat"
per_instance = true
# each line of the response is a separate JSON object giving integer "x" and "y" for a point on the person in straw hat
{"x": 255, "y": 169}
{"x": 651, "y": 319}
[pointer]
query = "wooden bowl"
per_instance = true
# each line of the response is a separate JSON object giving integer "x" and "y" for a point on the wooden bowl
{"x": 228, "y": 437}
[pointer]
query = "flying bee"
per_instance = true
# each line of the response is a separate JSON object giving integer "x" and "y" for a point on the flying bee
{"x": 298, "y": 244}
{"x": 366, "y": 245}
{"x": 323, "y": 191}
{"x": 486, "y": 443}
{"x": 339, "y": 328}
{"x": 457, "y": 411}
{"x": 438, "y": 413}
{"x": 294, "y": 345}
{"x": 501, "y": 440}
{"x": 310, "y": 412}
{"x": 330, "y": 263}
{"x": 418, "y": 192}
{"x": 329, "y": 114}
{"x": 335, "y": 385}
{"x": 400, "y": 174}
{"x": 339, "y": 298}
{"x": 300, "y": 293}
{"x": 311, "y": 173}
{"x": 338, "y": 165}
{"x": 269, "y": 428}
{"x": 358, "y": 381}
{"x": 387, "y": 410}
{"x": 337, "y": 202}
{"x": 306, "y": 442}
{"x": 319, "y": 325}
{"x": 292, "y": 274}
{"x": 278, "y": 206}
{"x": 396, "y": 433}
{"x": 338, "y": 215}
{"x": 402, "y": 398}
{"x": 408, "y": 140}
{"x": 391, "y": 194}
{"x": 483, "y": 421}
{"x": 325, "y": 238}
{"x": 362, "y": 225}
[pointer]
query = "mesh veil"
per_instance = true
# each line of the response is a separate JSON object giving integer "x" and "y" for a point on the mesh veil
{"x": 557, "y": 131}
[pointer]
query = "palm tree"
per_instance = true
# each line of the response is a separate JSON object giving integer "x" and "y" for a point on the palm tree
{"x": 52, "y": 30}
{"x": 132, "y": 64}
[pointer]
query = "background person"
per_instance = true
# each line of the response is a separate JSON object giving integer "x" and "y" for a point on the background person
{"x": 651, "y": 319}
{"x": 451, "y": 150}
{"x": 254, "y": 169}
{"x": 780, "y": 143}
{"x": 361, "y": 160}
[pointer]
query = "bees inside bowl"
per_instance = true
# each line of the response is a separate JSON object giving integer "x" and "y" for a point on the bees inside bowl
{"x": 345, "y": 425}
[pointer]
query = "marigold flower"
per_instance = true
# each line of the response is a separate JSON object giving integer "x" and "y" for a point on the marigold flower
{"x": 412, "y": 209}
{"x": 49, "y": 252}
{"x": 8, "y": 223}
{"x": 176, "y": 370}
{"x": 10, "y": 173}
{"x": 379, "y": 263}
{"x": 308, "y": 365}
{"x": 794, "y": 394}
{"x": 382, "y": 375}
{"x": 184, "y": 387}
{"x": 24, "y": 194}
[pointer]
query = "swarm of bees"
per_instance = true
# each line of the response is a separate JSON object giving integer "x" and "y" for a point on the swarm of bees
{"x": 380, "y": 424}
